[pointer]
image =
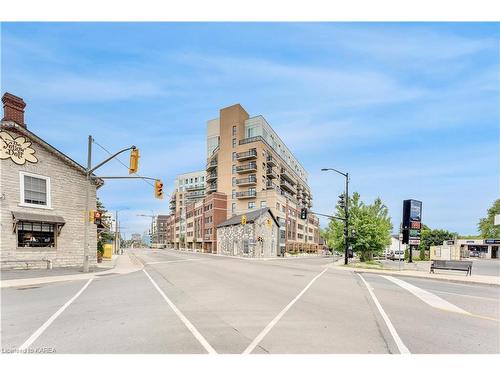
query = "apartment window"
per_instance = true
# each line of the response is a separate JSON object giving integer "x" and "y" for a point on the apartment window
{"x": 277, "y": 206}
{"x": 35, "y": 190}
{"x": 196, "y": 179}
{"x": 263, "y": 204}
{"x": 234, "y": 131}
{"x": 35, "y": 234}
{"x": 234, "y": 155}
{"x": 233, "y": 208}
{"x": 202, "y": 179}
{"x": 233, "y": 194}
{"x": 191, "y": 180}
{"x": 251, "y": 204}
{"x": 234, "y": 181}
{"x": 234, "y": 142}
{"x": 234, "y": 169}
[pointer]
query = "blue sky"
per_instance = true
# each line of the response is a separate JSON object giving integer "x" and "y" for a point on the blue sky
{"x": 410, "y": 110}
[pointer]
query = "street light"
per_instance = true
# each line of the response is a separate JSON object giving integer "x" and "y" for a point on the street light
{"x": 346, "y": 210}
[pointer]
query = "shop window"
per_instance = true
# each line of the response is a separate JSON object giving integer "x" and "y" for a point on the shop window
{"x": 35, "y": 234}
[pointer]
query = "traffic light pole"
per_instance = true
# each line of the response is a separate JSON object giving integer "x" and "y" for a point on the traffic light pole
{"x": 346, "y": 233}
{"x": 89, "y": 178}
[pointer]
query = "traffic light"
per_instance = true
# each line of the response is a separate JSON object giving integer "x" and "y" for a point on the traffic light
{"x": 134, "y": 161}
{"x": 341, "y": 201}
{"x": 243, "y": 219}
{"x": 97, "y": 218}
{"x": 91, "y": 216}
{"x": 303, "y": 213}
{"x": 158, "y": 189}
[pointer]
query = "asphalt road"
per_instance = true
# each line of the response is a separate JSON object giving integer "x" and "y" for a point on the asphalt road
{"x": 198, "y": 303}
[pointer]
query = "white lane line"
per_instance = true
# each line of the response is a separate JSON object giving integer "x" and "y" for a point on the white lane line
{"x": 428, "y": 297}
{"x": 401, "y": 346}
{"x": 173, "y": 261}
{"x": 182, "y": 317}
{"x": 465, "y": 295}
{"x": 45, "y": 325}
{"x": 273, "y": 322}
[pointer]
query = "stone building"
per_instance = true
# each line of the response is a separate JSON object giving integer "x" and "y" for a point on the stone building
{"x": 42, "y": 198}
{"x": 253, "y": 234}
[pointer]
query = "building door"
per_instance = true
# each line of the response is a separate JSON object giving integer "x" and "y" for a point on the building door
{"x": 494, "y": 252}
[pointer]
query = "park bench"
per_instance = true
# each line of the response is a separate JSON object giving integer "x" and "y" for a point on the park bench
{"x": 454, "y": 265}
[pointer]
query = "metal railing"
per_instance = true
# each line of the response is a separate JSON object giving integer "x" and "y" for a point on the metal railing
{"x": 250, "y": 140}
{"x": 246, "y": 194}
{"x": 247, "y": 154}
{"x": 246, "y": 167}
{"x": 246, "y": 181}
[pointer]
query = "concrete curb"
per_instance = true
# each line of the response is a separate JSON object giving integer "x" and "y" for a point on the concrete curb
{"x": 123, "y": 265}
{"x": 491, "y": 281}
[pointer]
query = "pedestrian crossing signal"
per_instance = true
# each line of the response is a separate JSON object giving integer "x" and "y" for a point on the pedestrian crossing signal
{"x": 97, "y": 218}
{"x": 158, "y": 189}
{"x": 243, "y": 219}
{"x": 303, "y": 213}
{"x": 134, "y": 161}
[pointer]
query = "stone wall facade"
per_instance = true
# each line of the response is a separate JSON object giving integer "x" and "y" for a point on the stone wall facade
{"x": 243, "y": 240}
{"x": 67, "y": 192}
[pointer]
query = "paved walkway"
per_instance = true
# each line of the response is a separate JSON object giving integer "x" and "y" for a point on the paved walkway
{"x": 120, "y": 264}
{"x": 444, "y": 275}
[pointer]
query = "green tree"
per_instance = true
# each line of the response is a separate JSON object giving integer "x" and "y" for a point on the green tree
{"x": 103, "y": 236}
{"x": 371, "y": 223}
{"x": 487, "y": 226}
{"x": 433, "y": 237}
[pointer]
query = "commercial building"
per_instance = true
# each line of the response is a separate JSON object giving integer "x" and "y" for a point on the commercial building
{"x": 466, "y": 248}
{"x": 248, "y": 167}
{"x": 42, "y": 198}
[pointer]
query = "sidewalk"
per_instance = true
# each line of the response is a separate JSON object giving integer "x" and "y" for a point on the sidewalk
{"x": 423, "y": 274}
{"x": 120, "y": 264}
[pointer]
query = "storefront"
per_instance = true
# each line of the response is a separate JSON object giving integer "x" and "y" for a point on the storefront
{"x": 466, "y": 248}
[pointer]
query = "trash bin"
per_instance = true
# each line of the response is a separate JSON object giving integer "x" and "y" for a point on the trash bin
{"x": 108, "y": 251}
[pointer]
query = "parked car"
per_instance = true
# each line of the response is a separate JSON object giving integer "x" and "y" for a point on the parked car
{"x": 474, "y": 253}
{"x": 398, "y": 254}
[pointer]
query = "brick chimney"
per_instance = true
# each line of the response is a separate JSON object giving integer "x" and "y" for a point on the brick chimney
{"x": 13, "y": 108}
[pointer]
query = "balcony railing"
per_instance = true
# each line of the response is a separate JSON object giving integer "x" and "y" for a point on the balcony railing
{"x": 250, "y": 167}
{"x": 250, "y": 154}
{"x": 211, "y": 177}
{"x": 195, "y": 187}
{"x": 211, "y": 164}
{"x": 195, "y": 194}
{"x": 246, "y": 181}
{"x": 270, "y": 185}
{"x": 271, "y": 161}
{"x": 285, "y": 173}
{"x": 250, "y": 140}
{"x": 271, "y": 173}
{"x": 289, "y": 197}
{"x": 286, "y": 185}
{"x": 246, "y": 194}
{"x": 212, "y": 187}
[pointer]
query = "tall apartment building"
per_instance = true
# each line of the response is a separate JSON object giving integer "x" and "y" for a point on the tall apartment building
{"x": 252, "y": 166}
{"x": 189, "y": 188}
{"x": 248, "y": 167}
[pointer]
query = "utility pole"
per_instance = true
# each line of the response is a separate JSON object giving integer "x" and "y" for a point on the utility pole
{"x": 117, "y": 248}
{"x": 87, "y": 211}
{"x": 346, "y": 211}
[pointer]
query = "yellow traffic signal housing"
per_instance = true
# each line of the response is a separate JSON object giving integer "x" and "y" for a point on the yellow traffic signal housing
{"x": 158, "y": 189}
{"x": 91, "y": 216}
{"x": 134, "y": 161}
{"x": 243, "y": 219}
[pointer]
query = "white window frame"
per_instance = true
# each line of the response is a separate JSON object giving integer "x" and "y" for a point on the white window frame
{"x": 22, "y": 203}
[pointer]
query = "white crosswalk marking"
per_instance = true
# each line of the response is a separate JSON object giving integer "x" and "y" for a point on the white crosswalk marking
{"x": 429, "y": 298}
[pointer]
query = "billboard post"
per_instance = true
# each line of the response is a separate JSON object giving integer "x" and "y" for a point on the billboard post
{"x": 412, "y": 224}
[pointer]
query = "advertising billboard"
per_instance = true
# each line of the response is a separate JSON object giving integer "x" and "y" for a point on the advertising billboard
{"x": 412, "y": 221}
